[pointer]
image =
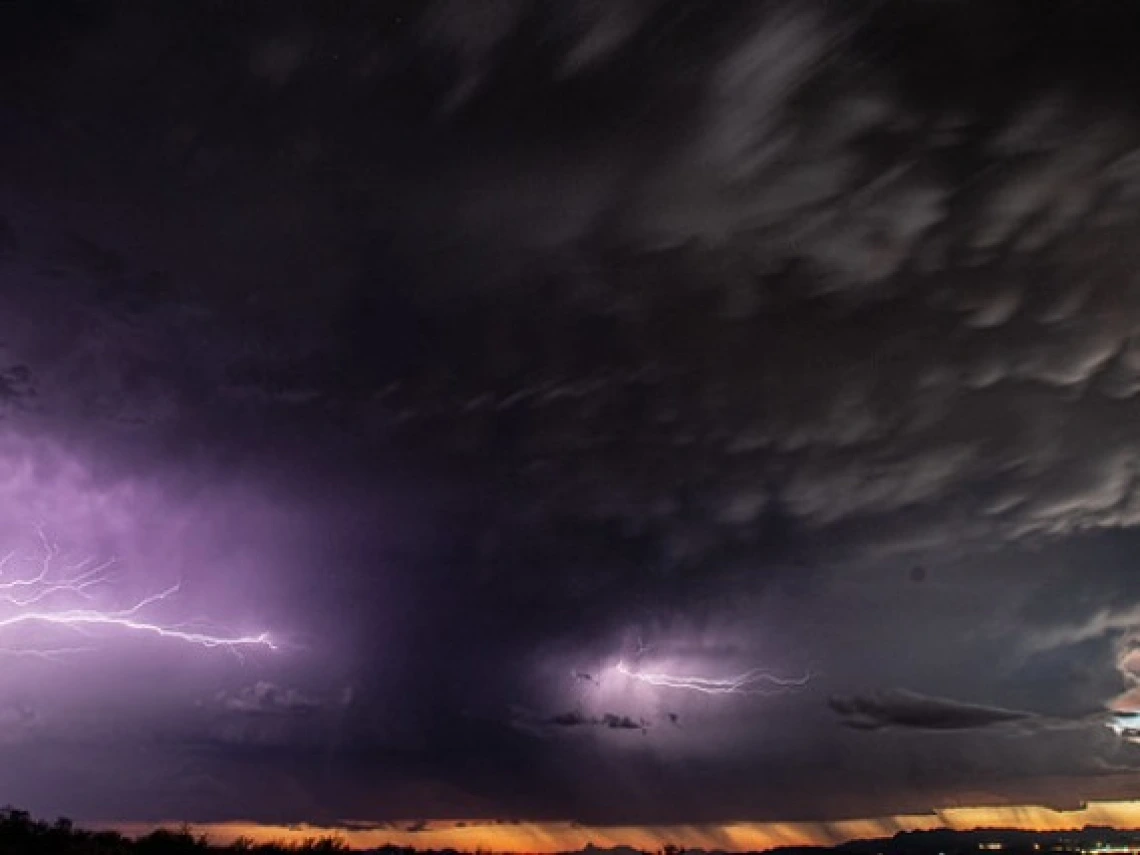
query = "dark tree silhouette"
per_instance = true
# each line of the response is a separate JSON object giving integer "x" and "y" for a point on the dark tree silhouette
{"x": 20, "y": 834}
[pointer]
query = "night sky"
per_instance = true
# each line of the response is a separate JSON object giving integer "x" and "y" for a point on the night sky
{"x": 626, "y": 413}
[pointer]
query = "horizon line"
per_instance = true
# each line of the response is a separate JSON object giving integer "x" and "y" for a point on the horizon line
{"x": 741, "y": 836}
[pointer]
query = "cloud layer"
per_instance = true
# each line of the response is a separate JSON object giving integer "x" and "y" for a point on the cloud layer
{"x": 792, "y": 337}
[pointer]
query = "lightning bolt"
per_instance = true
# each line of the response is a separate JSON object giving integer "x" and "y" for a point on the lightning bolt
{"x": 753, "y": 682}
{"x": 42, "y": 590}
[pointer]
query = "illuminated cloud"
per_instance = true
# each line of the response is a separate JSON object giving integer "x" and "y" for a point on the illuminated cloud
{"x": 1126, "y": 726}
{"x": 755, "y": 681}
{"x": 44, "y": 589}
{"x": 265, "y": 698}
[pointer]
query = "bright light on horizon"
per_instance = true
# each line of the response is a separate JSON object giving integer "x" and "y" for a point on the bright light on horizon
{"x": 552, "y": 837}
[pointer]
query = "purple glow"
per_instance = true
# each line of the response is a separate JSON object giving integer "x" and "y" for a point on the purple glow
{"x": 42, "y": 590}
{"x": 752, "y": 682}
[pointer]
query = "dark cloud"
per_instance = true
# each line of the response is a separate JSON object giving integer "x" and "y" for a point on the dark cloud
{"x": 904, "y": 709}
{"x": 611, "y": 720}
{"x": 783, "y": 218}
{"x": 531, "y": 723}
{"x": 793, "y": 336}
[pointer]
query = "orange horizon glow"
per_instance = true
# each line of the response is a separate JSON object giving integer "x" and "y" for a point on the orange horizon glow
{"x": 551, "y": 837}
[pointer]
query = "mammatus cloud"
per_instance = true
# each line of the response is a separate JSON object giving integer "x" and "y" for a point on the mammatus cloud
{"x": 814, "y": 221}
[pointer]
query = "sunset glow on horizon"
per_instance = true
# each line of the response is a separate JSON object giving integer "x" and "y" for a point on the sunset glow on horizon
{"x": 550, "y": 837}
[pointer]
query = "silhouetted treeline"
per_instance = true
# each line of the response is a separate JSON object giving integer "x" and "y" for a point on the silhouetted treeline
{"x": 22, "y": 835}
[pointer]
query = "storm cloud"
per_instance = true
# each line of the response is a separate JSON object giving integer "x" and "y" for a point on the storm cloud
{"x": 476, "y": 350}
{"x": 909, "y": 710}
